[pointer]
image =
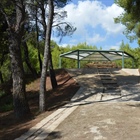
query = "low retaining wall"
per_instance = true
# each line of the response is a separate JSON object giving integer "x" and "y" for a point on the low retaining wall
{"x": 132, "y": 71}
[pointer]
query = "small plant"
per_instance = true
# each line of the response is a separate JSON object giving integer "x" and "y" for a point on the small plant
{"x": 2, "y": 93}
{"x": 6, "y": 104}
{"x": 6, "y": 107}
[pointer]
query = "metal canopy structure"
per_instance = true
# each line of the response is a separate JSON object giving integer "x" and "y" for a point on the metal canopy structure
{"x": 96, "y": 55}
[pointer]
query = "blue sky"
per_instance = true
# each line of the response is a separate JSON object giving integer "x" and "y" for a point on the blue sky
{"x": 94, "y": 20}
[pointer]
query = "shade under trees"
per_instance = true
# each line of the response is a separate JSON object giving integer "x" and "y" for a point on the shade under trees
{"x": 14, "y": 14}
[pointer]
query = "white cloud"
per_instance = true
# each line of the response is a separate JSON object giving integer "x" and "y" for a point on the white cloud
{"x": 116, "y": 46}
{"x": 107, "y": 20}
{"x": 95, "y": 38}
{"x": 63, "y": 45}
{"x": 90, "y": 14}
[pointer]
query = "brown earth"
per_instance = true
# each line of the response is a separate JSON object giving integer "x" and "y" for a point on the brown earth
{"x": 12, "y": 128}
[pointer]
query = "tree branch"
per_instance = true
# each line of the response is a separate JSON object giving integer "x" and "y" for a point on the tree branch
{"x": 4, "y": 14}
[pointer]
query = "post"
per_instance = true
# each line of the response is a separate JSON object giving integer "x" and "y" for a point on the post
{"x": 122, "y": 59}
{"x": 78, "y": 64}
{"x": 132, "y": 63}
{"x": 59, "y": 62}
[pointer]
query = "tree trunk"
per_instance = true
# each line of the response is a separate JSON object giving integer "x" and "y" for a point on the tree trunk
{"x": 20, "y": 103}
{"x": 50, "y": 64}
{"x": 27, "y": 60}
{"x": 21, "y": 107}
{"x": 42, "y": 103}
{"x": 1, "y": 77}
{"x": 1, "y": 64}
{"x": 37, "y": 41}
{"x": 39, "y": 57}
{"x": 52, "y": 72}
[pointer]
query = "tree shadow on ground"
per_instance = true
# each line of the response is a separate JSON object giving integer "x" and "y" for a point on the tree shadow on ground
{"x": 54, "y": 135}
{"x": 56, "y": 98}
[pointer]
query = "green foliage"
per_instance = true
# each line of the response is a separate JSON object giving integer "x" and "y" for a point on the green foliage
{"x": 68, "y": 63}
{"x": 83, "y": 46}
{"x": 4, "y": 58}
{"x": 137, "y": 57}
{"x": 55, "y": 56}
{"x": 6, "y": 69}
{"x": 134, "y": 52}
{"x": 33, "y": 56}
{"x": 6, "y": 103}
{"x": 130, "y": 18}
{"x": 6, "y": 107}
{"x": 2, "y": 93}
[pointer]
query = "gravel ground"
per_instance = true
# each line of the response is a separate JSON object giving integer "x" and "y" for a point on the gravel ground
{"x": 103, "y": 116}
